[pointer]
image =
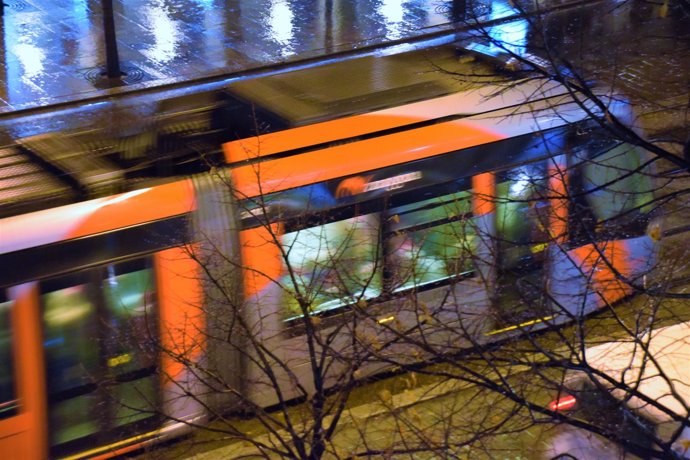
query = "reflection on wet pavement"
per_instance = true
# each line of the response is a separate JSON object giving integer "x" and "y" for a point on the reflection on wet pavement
{"x": 54, "y": 51}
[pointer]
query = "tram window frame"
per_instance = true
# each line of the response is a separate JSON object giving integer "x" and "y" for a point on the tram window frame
{"x": 103, "y": 381}
{"x": 9, "y": 404}
{"x": 584, "y": 223}
{"x": 516, "y": 253}
{"x": 393, "y": 231}
{"x": 383, "y": 206}
{"x": 349, "y": 298}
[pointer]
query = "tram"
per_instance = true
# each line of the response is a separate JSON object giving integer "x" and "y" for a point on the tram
{"x": 497, "y": 211}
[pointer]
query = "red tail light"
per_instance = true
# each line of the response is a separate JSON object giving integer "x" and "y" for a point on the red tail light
{"x": 564, "y": 403}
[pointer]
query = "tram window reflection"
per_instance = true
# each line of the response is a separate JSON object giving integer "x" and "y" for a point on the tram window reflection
{"x": 333, "y": 264}
{"x": 72, "y": 361}
{"x": 129, "y": 299}
{"x": 430, "y": 240}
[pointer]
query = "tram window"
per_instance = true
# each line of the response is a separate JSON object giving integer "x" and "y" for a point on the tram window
{"x": 72, "y": 360}
{"x": 128, "y": 341}
{"x": 8, "y": 403}
{"x": 429, "y": 240}
{"x": 612, "y": 184}
{"x": 134, "y": 401}
{"x": 70, "y": 337}
{"x": 99, "y": 327}
{"x": 128, "y": 298}
{"x": 333, "y": 264}
{"x": 522, "y": 210}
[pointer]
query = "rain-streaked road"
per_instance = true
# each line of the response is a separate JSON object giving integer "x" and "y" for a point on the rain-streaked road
{"x": 52, "y": 50}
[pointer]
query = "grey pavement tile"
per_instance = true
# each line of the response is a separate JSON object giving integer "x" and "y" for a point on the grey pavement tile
{"x": 36, "y": 95}
{"x": 34, "y": 23}
{"x": 57, "y": 85}
{"x": 220, "y": 58}
{"x": 77, "y": 11}
{"x": 90, "y": 25}
{"x": 188, "y": 65}
{"x": 57, "y": 4}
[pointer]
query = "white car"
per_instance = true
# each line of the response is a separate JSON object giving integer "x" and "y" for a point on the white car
{"x": 643, "y": 383}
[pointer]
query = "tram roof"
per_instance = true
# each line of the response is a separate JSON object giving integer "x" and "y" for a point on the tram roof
{"x": 365, "y": 84}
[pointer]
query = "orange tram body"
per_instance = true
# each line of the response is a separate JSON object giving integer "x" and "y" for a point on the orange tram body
{"x": 534, "y": 187}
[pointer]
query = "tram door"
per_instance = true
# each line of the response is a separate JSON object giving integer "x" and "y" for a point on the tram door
{"x": 100, "y": 356}
{"x": 522, "y": 220}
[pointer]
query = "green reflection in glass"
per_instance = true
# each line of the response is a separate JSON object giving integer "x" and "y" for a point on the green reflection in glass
{"x": 333, "y": 264}
{"x": 613, "y": 184}
{"x": 522, "y": 209}
{"x": 438, "y": 249}
{"x": 71, "y": 348}
{"x": 131, "y": 324}
{"x": 431, "y": 210}
{"x": 74, "y": 418}
{"x": 432, "y": 254}
{"x": 135, "y": 401}
{"x": 70, "y": 340}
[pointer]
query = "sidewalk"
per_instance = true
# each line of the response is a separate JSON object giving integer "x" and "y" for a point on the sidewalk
{"x": 53, "y": 51}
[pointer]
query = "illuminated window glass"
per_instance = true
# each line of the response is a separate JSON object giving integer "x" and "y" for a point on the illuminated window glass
{"x": 129, "y": 341}
{"x": 8, "y": 403}
{"x": 613, "y": 183}
{"x": 333, "y": 264}
{"x": 134, "y": 401}
{"x": 522, "y": 211}
{"x": 99, "y": 338}
{"x": 430, "y": 240}
{"x": 131, "y": 321}
{"x": 70, "y": 337}
{"x": 72, "y": 361}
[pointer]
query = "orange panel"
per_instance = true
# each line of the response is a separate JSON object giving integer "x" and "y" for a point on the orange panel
{"x": 601, "y": 264}
{"x": 180, "y": 299}
{"x": 261, "y": 258}
{"x": 137, "y": 207}
{"x": 473, "y": 102}
{"x": 558, "y": 218}
{"x": 26, "y": 436}
{"x": 281, "y": 141}
{"x": 343, "y": 160}
{"x": 484, "y": 194}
